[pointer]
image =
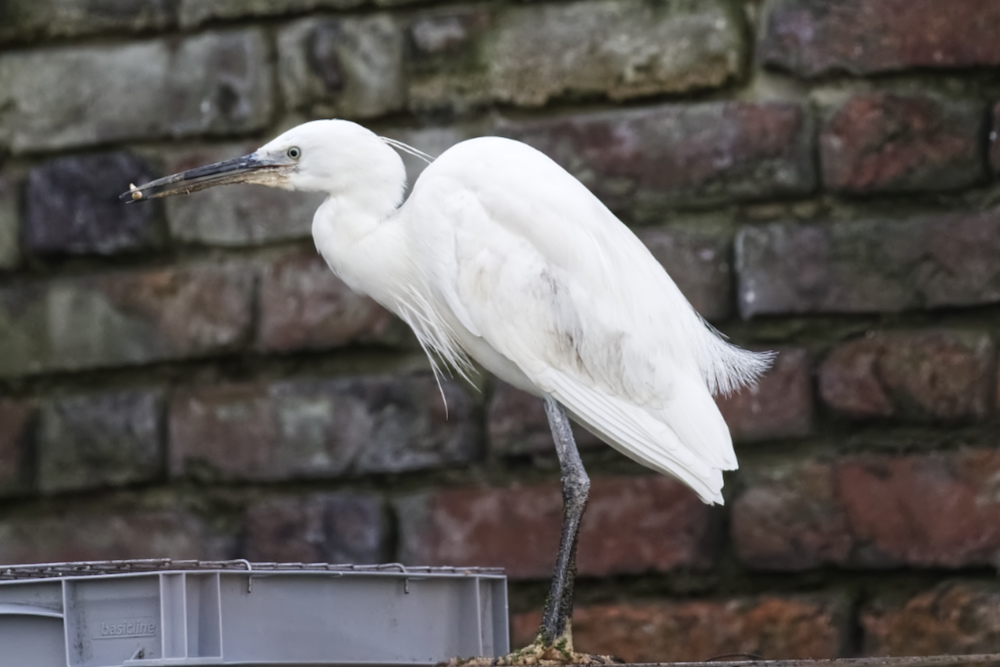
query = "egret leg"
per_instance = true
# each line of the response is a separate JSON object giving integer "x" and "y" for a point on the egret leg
{"x": 554, "y": 643}
{"x": 575, "y": 490}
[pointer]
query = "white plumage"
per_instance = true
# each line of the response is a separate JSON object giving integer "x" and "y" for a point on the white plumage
{"x": 502, "y": 257}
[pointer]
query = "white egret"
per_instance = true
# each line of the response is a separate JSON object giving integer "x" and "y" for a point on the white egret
{"x": 502, "y": 257}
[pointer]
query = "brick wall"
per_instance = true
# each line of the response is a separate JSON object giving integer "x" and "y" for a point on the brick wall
{"x": 186, "y": 379}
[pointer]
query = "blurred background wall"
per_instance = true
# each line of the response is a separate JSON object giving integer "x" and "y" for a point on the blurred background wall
{"x": 187, "y": 379}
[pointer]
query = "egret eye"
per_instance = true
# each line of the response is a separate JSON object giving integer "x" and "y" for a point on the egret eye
{"x": 295, "y": 152}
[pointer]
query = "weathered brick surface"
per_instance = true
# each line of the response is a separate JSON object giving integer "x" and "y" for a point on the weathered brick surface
{"x": 632, "y": 525}
{"x": 123, "y": 318}
{"x": 321, "y": 528}
{"x": 813, "y": 37}
{"x": 195, "y": 12}
{"x": 790, "y": 519}
{"x": 644, "y": 159}
{"x": 214, "y": 83}
{"x": 350, "y": 67}
{"x": 927, "y": 510}
{"x": 516, "y": 424}
{"x": 882, "y": 142}
{"x": 699, "y": 262}
{"x": 779, "y": 406}
{"x": 309, "y": 428}
{"x": 109, "y": 534}
{"x": 27, "y": 20}
{"x": 953, "y": 618}
{"x": 71, "y": 206}
{"x": 237, "y": 215}
{"x": 15, "y": 430}
{"x": 98, "y": 440}
{"x": 302, "y": 305}
{"x": 869, "y": 266}
{"x": 773, "y": 627}
{"x": 527, "y": 55}
{"x": 935, "y": 374}
{"x": 10, "y": 203}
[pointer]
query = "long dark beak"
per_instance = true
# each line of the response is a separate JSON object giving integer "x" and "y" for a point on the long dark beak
{"x": 238, "y": 170}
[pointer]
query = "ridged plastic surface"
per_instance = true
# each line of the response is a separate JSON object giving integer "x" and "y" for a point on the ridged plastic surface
{"x": 161, "y": 612}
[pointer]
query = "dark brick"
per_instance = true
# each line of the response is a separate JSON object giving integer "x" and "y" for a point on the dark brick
{"x": 790, "y": 519}
{"x": 10, "y": 204}
{"x": 349, "y": 67}
{"x": 927, "y": 510}
{"x": 995, "y": 140}
{"x": 321, "y": 528}
{"x": 31, "y": 20}
{"x": 641, "y": 160}
{"x": 97, "y": 440}
{"x": 775, "y": 627}
{"x": 72, "y": 206}
{"x": 529, "y": 54}
{"x": 953, "y": 618}
{"x": 813, "y": 37}
{"x": 124, "y": 318}
{"x": 15, "y": 428}
{"x": 779, "y": 406}
{"x": 313, "y": 428}
{"x": 516, "y": 424}
{"x": 869, "y": 266}
{"x": 881, "y": 142}
{"x": 699, "y": 263}
{"x": 303, "y": 305}
{"x": 918, "y": 375}
{"x": 235, "y": 216}
{"x": 107, "y": 535}
{"x": 632, "y": 525}
{"x": 214, "y": 83}
{"x": 196, "y": 12}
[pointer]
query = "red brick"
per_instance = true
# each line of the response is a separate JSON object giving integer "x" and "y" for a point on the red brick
{"x": 640, "y": 160}
{"x": 516, "y": 424}
{"x": 938, "y": 510}
{"x": 881, "y": 142}
{"x": 97, "y": 440}
{"x": 632, "y": 525}
{"x": 790, "y": 519}
{"x": 918, "y": 375}
{"x": 304, "y": 306}
{"x": 699, "y": 263}
{"x": 869, "y": 266}
{"x": 813, "y": 37}
{"x": 953, "y": 618}
{"x": 110, "y": 534}
{"x": 15, "y": 426}
{"x": 926, "y": 510}
{"x": 779, "y": 406}
{"x": 124, "y": 318}
{"x": 995, "y": 140}
{"x": 321, "y": 528}
{"x": 773, "y": 627}
{"x": 314, "y": 428}
{"x": 68, "y": 208}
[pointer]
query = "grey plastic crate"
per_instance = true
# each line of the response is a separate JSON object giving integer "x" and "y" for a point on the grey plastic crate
{"x": 152, "y": 613}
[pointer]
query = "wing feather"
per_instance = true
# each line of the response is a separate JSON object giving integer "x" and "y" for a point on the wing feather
{"x": 528, "y": 260}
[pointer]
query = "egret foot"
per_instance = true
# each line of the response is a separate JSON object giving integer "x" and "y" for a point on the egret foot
{"x": 539, "y": 652}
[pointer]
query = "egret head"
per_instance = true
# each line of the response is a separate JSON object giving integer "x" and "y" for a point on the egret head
{"x": 333, "y": 156}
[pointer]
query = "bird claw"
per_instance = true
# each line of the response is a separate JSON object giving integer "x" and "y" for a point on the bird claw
{"x": 537, "y": 653}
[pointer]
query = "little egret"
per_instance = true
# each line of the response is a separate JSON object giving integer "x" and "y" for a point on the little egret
{"x": 502, "y": 257}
